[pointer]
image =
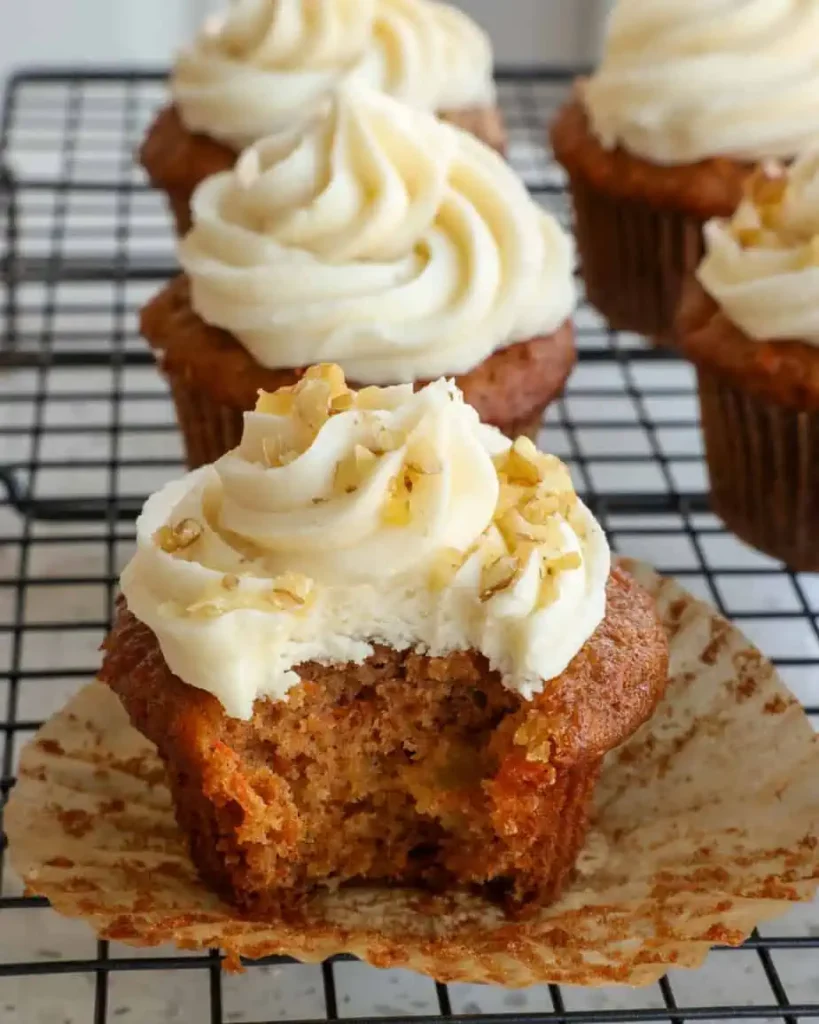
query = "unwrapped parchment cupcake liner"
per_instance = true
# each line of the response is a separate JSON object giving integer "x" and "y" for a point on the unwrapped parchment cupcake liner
{"x": 706, "y": 824}
{"x": 635, "y": 258}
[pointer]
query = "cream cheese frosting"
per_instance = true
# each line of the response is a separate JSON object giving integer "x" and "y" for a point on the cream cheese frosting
{"x": 347, "y": 519}
{"x": 267, "y": 66}
{"x": 381, "y": 239}
{"x": 686, "y": 80}
{"x": 762, "y": 266}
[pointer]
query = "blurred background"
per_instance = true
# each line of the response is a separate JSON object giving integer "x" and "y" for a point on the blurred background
{"x": 148, "y": 31}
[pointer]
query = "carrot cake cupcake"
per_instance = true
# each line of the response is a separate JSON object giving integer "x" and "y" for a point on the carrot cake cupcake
{"x": 750, "y": 323}
{"x": 380, "y": 642}
{"x": 688, "y": 98}
{"x": 269, "y": 66}
{"x": 382, "y": 239}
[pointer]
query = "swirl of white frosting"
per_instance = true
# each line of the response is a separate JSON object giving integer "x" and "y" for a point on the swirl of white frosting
{"x": 268, "y": 66}
{"x": 686, "y": 80}
{"x": 382, "y": 239}
{"x": 325, "y": 533}
{"x": 762, "y": 266}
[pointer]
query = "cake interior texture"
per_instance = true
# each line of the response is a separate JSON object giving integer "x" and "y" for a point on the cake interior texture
{"x": 403, "y": 770}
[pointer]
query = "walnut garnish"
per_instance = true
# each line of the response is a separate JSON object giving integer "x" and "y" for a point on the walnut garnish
{"x": 276, "y": 403}
{"x": 748, "y": 238}
{"x": 177, "y": 538}
{"x": 342, "y": 403}
{"x": 290, "y": 590}
{"x": 522, "y": 465}
{"x": 550, "y": 571}
{"x": 396, "y": 510}
{"x": 498, "y": 575}
{"x": 767, "y": 186}
{"x": 353, "y": 470}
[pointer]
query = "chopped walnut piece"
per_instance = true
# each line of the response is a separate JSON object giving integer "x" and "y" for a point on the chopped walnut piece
{"x": 276, "y": 403}
{"x": 177, "y": 538}
{"x": 397, "y": 510}
{"x": 516, "y": 530}
{"x": 291, "y": 589}
{"x": 550, "y": 571}
{"x": 369, "y": 398}
{"x": 330, "y": 374}
{"x": 748, "y": 238}
{"x": 312, "y": 403}
{"x": 767, "y": 186}
{"x": 353, "y": 470}
{"x": 342, "y": 403}
{"x": 523, "y": 463}
{"x": 498, "y": 575}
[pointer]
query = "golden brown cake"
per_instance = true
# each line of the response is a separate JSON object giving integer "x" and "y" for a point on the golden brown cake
{"x": 380, "y": 643}
{"x": 749, "y": 323}
{"x": 250, "y": 75}
{"x": 399, "y": 246}
{"x": 686, "y": 101}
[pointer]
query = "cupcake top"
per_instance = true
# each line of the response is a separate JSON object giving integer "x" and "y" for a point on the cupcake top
{"x": 347, "y": 519}
{"x": 267, "y": 66}
{"x": 762, "y": 266}
{"x": 380, "y": 238}
{"x": 687, "y": 80}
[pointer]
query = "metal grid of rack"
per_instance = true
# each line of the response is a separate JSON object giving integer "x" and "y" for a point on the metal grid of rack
{"x": 87, "y": 431}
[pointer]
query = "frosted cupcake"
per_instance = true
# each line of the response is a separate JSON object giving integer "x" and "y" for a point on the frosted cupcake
{"x": 382, "y": 239}
{"x": 690, "y": 95}
{"x": 381, "y": 643}
{"x": 750, "y": 323}
{"x": 269, "y": 66}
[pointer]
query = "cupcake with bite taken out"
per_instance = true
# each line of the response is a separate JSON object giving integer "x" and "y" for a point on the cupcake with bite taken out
{"x": 689, "y": 97}
{"x": 380, "y": 642}
{"x": 382, "y": 239}
{"x": 750, "y": 324}
{"x": 268, "y": 67}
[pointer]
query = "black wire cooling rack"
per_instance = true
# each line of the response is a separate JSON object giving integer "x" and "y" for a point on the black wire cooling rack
{"x": 87, "y": 431}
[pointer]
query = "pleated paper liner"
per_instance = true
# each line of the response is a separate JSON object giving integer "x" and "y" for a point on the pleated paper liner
{"x": 209, "y": 428}
{"x": 179, "y": 205}
{"x": 706, "y": 825}
{"x": 634, "y": 258}
{"x": 763, "y": 460}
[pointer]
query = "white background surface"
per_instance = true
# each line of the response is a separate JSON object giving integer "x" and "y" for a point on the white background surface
{"x": 94, "y": 31}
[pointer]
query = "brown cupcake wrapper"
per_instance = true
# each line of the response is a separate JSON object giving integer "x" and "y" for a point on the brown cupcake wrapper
{"x": 179, "y": 203}
{"x": 635, "y": 258}
{"x": 763, "y": 459}
{"x": 209, "y": 428}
